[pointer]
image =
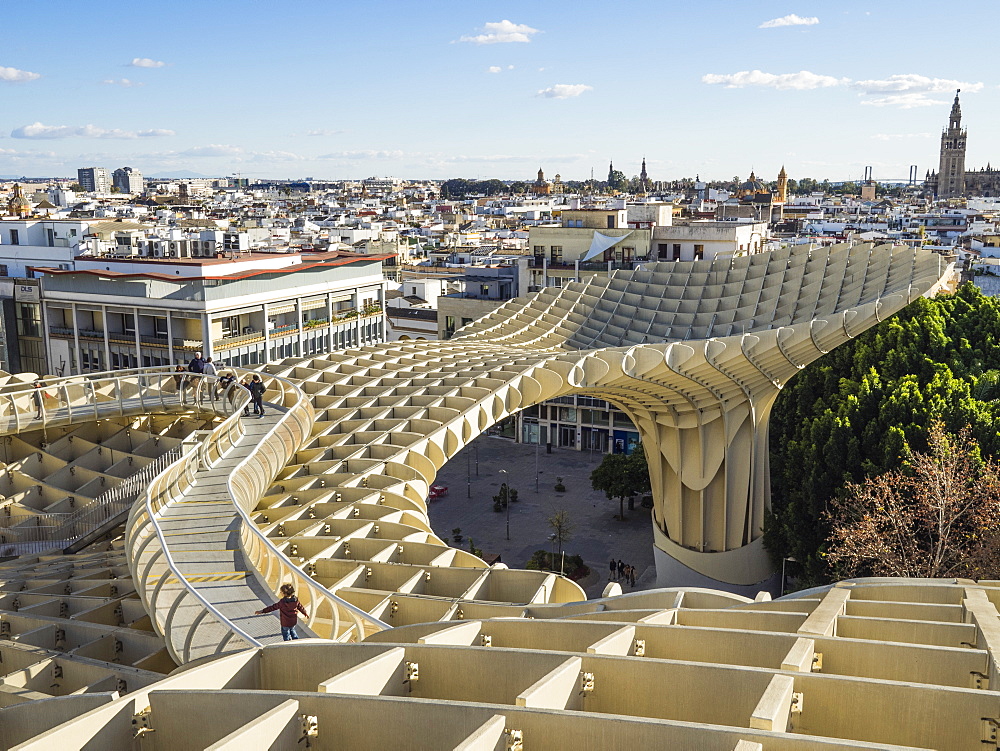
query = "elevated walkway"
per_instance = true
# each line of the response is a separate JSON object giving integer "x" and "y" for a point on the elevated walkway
{"x": 203, "y": 531}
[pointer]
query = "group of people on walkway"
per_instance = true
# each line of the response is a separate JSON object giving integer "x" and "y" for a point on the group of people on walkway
{"x": 622, "y": 572}
{"x": 203, "y": 366}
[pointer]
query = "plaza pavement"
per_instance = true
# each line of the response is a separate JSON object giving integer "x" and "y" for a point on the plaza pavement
{"x": 597, "y": 535}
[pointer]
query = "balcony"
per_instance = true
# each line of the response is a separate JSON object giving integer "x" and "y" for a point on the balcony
{"x": 228, "y": 342}
{"x": 64, "y": 332}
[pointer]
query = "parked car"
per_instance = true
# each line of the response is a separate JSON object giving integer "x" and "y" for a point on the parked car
{"x": 437, "y": 491}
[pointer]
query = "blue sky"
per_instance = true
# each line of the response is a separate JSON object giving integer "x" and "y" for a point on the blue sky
{"x": 480, "y": 90}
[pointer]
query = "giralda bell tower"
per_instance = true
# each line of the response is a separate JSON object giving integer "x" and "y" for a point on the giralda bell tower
{"x": 951, "y": 172}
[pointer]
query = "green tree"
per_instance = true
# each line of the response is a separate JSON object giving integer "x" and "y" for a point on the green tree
{"x": 621, "y": 476}
{"x": 866, "y": 407}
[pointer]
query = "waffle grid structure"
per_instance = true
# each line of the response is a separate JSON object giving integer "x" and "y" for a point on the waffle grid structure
{"x": 330, "y": 492}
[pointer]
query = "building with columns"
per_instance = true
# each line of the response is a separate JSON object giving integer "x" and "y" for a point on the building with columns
{"x": 109, "y": 313}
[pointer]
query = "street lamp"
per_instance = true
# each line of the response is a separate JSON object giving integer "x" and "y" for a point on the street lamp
{"x": 506, "y": 499}
{"x": 793, "y": 560}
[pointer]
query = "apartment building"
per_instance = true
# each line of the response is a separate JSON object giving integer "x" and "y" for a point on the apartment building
{"x": 110, "y": 312}
{"x": 94, "y": 179}
{"x": 127, "y": 180}
{"x": 25, "y": 243}
{"x": 590, "y": 241}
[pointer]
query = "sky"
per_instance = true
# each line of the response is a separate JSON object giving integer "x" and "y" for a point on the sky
{"x": 436, "y": 89}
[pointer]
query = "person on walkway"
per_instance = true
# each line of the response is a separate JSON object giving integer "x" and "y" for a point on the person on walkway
{"x": 197, "y": 364}
{"x": 245, "y": 383}
{"x": 211, "y": 387}
{"x": 614, "y": 570}
{"x": 226, "y": 380}
{"x": 257, "y": 395}
{"x": 631, "y": 576}
{"x": 288, "y": 608}
{"x": 621, "y": 570}
{"x": 39, "y": 396}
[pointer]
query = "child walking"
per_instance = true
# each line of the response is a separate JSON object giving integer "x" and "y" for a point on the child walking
{"x": 287, "y": 607}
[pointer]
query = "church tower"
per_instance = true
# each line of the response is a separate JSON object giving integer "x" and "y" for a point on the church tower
{"x": 643, "y": 178}
{"x": 951, "y": 169}
{"x": 783, "y": 185}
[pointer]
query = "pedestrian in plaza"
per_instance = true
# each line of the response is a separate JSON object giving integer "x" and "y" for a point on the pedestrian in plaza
{"x": 631, "y": 576}
{"x": 614, "y": 570}
{"x": 257, "y": 395}
{"x": 621, "y": 570}
{"x": 288, "y": 608}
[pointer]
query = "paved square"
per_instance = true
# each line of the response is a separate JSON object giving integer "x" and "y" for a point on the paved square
{"x": 597, "y": 535}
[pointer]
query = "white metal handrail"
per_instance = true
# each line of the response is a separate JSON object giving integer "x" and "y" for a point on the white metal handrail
{"x": 143, "y": 529}
{"x": 108, "y": 394}
{"x": 246, "y": 487}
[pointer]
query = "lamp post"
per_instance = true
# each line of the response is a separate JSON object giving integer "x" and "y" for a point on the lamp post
{"x": 506, "y": 499}
{"x": 793, "y": 560}
{"x": 538, "y": 441}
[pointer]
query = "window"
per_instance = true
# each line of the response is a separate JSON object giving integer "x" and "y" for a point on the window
{"x": 555, "y": 253}
{"x": 230, "y": 326}
{"x": 3, "y": 270}
{"x": 484, "y": 289}
{"x": 677, "y": 252}
{"x": 539, "y": 251}
{"x": 449, "y": 326}
{"x": 15, "y": 237}
{"x": 611, "y": 221}
{"x": 699, "y": 252}
{"x": 72, "y": 233}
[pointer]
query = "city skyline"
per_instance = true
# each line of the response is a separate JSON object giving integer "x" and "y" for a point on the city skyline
{"x": 453, "y": 90}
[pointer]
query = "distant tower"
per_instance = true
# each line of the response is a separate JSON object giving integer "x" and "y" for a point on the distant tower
{"x": 951, "y": 170}
{"x": 541, "y": 176}
{"x": 611, "y": 171}
{"x": 17, "y": 204}
{"x": 783, "y": 185}
{"x": 643, "y": 177}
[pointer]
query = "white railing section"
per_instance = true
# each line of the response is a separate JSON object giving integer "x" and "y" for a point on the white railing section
{"x": 192, "y": 626}
{"x": 179, "y": 612}
{"x": 330, "y": 616}
{"x": 119, "y": 393}
{"x": 23, "y": 534}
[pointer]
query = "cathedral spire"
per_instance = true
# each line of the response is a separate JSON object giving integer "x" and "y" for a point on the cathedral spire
{"x": 955, "y": 121}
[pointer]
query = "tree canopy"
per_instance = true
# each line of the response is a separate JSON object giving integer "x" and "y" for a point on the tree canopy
{"x": 621, "y": 475}
{"x": 937, "y": 516}
{"x": 867, "y": 406}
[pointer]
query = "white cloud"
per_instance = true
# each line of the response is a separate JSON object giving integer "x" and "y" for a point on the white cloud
{"x": 904, "y": 101}
{"x": 213, "y": 149}
{"x": 801, "y": 81}
{"x": 494, "y": 69}
{"x": 364, "y": 154}
{"x": 903, "y": 82}
{"x": 40, "y": 131}
{"x": 500, "y": 32}
{"x": 324, "y": 132}
{"x": 123, "y": 82}
{"x": 146, "y": 62}
{"x": 790, "y": 20}
{"x": 899, "y": 136}
{"x": 13, "y": 75}
{"x": 564, "y": 90}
